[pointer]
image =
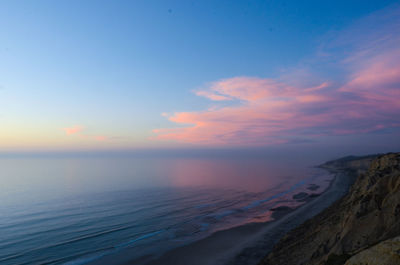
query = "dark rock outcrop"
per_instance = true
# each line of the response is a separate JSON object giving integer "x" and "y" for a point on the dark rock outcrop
{"x": 366, "y": 216}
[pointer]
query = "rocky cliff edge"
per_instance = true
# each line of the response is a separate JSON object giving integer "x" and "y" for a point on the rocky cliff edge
{"x": 368, "y": 215}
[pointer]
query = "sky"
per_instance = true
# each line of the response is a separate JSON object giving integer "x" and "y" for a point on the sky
{"x": 126, "y": 75}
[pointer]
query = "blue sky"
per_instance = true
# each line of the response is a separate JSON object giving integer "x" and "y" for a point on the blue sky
{"x": 111, "y": 68}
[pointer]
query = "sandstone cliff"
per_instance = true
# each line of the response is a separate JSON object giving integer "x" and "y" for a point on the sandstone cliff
{"x": 386, "y": 252}
{"x": 366, "y": 216}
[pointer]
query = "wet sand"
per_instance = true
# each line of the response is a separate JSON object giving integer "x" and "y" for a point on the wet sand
{"x": 247, "y": 244}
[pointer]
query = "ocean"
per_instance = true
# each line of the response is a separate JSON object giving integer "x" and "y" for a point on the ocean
{"x": 78, "y": 209}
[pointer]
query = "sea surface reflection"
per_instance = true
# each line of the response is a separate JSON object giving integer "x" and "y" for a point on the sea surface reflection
{"x": 73, "y": 210}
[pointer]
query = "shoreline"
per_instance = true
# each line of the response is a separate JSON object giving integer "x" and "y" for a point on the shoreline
{"x": 247, "y": 244}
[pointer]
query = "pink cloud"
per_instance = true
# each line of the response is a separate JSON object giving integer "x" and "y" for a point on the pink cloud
{"x": 264, "y": 111}
{"x": 263, "y": 115}
{"x": 245, "y": 88}
{"x": 212, "y": 96}
{"x": 272, "y": 112}
{"x": 378, "y": 79}
{"x": 79, "y": 131}
{"x": 73, "y": 130}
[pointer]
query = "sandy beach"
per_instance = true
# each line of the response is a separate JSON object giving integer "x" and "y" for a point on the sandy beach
{"x": 247, "y": 244}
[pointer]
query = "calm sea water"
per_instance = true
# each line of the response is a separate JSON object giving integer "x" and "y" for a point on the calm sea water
{"x": 75, "y": 210}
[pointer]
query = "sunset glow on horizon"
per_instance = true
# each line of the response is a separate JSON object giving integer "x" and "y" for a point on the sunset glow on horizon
{"x": 128, "y": 85}
{"x": 197, "y": 132}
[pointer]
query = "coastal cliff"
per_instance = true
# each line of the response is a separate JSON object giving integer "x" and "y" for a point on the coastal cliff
{"x": 357, "y": 229}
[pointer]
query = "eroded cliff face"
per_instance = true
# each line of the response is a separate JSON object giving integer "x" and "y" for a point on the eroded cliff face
{"x": 386, "y": 252}
{"x": 367, "y": 215}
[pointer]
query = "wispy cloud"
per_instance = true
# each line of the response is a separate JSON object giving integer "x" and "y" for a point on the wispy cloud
{"x": 359, "y": 92}
{"x": 73, "y": 130}
{"x": 79, "y": 131}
